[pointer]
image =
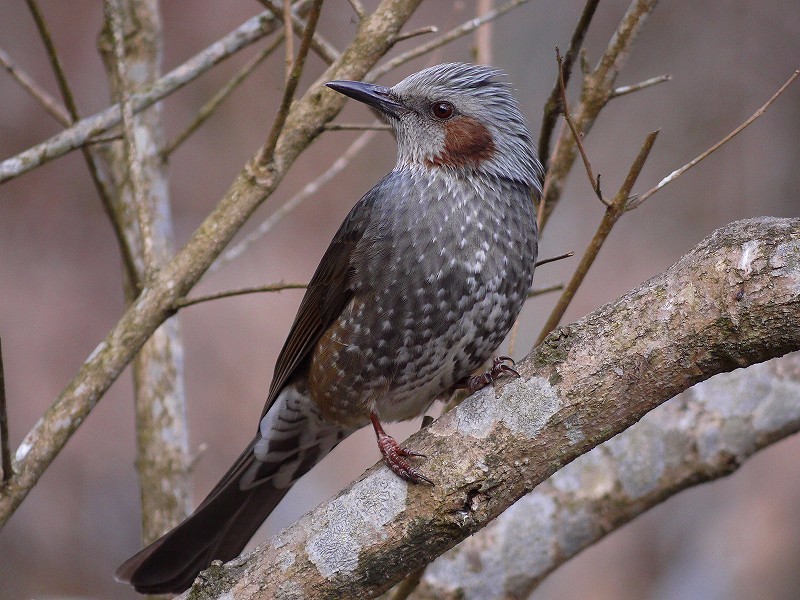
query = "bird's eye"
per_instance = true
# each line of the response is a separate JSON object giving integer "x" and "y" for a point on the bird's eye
{"x": 442, "y": 110}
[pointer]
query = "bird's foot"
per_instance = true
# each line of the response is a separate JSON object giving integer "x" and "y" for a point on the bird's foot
{"x": 498, "y": 369}
{"x": 394, "y": 455}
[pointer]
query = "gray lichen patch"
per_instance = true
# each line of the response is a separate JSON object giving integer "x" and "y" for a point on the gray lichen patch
{"x": 640, "y": 459}
{"x": 526, "y": 530}
{"x": 591, "y": 475}
{"x": 524, "y": 406}
{"x": 355, "y": 521}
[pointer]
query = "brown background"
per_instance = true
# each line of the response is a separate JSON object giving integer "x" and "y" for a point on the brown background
{"x": 60, "y": 287}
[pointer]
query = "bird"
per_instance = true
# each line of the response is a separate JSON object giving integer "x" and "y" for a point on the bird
{"x": 418, "y": 288}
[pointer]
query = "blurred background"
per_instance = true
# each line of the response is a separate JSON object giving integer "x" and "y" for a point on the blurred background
{"x": 60, "y": 289}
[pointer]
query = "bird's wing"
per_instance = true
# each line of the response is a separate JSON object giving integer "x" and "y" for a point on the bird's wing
{"x": 327, "y": 295}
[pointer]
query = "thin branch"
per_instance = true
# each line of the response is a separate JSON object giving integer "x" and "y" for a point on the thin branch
{"x": 217, "y": 99}
{"x": 5, "y": 444}
{"x": 202, "y": 448}
{"x": 358, "y": 127}
{"x": 44, "y": 32}
{"x": 615, "y": 210}
{"x": 629, "y": 89}
{"x": 446, "y": 38}
{"x": 27, "y": 83}
{"x": 93, "y": 163}
{"x": 274, "y": 287}
{"x": 594, "y": 181}
{"x": 552, "y": 106}
{"x": 114, "y": 16}
{"x": 544, "y": 261}
{"x": 324, "y": 49}
{"x": 358, "y": 8}
{"x": 308, "y": 190}
{"x": 402, "y": 36}
{"x": 483, "y": 35}
{"x": 78, "y": 134}
{"x": 288, "y": 25}
{"x": 556, "y": 287}
{"x": 291, "y": 84}
{"x": 678, "y": 172}
{"x": 596, "y": 89}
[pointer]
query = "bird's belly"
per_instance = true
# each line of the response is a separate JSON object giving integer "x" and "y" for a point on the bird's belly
{"x": 398, "y": 366}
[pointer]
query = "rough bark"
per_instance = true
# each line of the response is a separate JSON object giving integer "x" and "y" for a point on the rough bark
{"x": 723, "y": 306}
{"x": 704, "y": 433}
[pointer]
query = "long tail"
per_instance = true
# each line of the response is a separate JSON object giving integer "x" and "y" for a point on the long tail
{"x": 290, "y": 441}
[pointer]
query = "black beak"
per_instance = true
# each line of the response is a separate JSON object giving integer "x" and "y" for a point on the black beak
{"x": 376, "y": 96}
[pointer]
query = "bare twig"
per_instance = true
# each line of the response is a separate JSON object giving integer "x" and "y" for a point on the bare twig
{"x": 402, "y": 36}
{"x": 552, "y": 107}
{"x": 114, "y": 10}
{"x": 61, "y": 78}
{"x": 250, "y": 31}
{"x": 544, "y": 261}
{"x": 291, "y": 84}
{"x": 614, "y": 211}
{"x": 678, "y": 172}
{"x": 595, "y": 92}
{"x": 629, "y": 89}
{"x": 202, "y": 448}
{"x": 5, "y": 445}
{"x": 288, "y": 24}
{"x": 324, "y": 49}
{"x": 358, "y": 8}
{"x": 594, "y": 181}
{"x": 275, "y": 287}
{"x": 545, "y": 290}
{"x": 483, "y": 35}
{"x": 209, "y": 107}
{"x": 308, "y": 190}
{"x": 446, "y": 38}
{"x": 358, "y": 127}
{"x": 93, "y": 163}
{"x": 27, "y": 83}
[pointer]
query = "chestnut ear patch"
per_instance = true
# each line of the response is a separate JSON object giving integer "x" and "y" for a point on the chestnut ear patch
{"x": 467, "y": 142}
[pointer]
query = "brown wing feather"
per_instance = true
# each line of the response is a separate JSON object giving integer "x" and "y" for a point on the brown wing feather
{"x": 328, "y": 293}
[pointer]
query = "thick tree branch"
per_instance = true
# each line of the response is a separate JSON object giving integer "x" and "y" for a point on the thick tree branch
{"x": 155, "y": 303}
{"x": 722, "y": 306}
{"x": 705, "y": 433}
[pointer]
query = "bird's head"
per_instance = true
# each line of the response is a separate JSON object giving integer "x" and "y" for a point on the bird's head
{"x": 455, "y": 116}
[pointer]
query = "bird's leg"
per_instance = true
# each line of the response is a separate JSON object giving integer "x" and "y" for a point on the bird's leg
{"x": 498, "y": 369}
{"x": 393, "y": 453}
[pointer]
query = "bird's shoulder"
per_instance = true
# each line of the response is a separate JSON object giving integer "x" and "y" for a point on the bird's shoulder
{"x": 330, "y": 288}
